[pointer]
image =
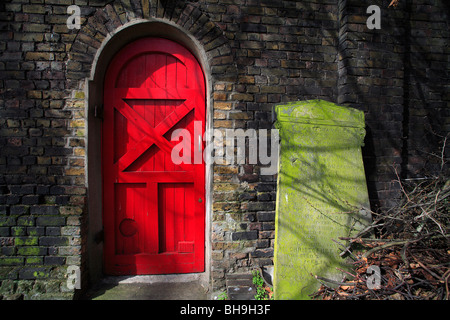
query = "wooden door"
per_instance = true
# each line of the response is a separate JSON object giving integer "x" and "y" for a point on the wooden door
{"x": 153, "y": 209}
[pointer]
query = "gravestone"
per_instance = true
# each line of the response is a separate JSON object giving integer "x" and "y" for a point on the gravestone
{"x": 321, "y": 194}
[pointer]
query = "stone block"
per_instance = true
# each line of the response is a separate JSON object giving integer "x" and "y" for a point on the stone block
{"x": 322, "y": 193}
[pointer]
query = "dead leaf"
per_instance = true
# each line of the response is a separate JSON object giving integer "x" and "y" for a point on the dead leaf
{"x": 393, "y": 3}
{"x": 269, "y": 291}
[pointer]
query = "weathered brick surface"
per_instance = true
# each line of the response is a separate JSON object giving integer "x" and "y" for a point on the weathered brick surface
{"x": 260, "y": 53}
{"x": 393, "y": 75}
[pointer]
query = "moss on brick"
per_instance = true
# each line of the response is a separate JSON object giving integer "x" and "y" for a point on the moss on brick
{"x": 26, "y": 241}
{"x": 31, "y": 251}
{"x": 27, "y": 221}
{"x": 11, "y": 261}
{"x": 34, "y": 260}
{"x": 18, "y": 231}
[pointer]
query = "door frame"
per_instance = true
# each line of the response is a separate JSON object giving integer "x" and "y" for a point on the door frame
{"x": 94, "y": 89}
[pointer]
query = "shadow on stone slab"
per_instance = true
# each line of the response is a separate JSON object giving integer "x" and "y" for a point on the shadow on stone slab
{"x": 147, "y": 291}
{"x": 240, "y": 287}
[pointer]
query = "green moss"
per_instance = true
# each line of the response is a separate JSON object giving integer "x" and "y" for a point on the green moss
{"x": 33, "y": 260}
{"x": 41, "y": 274}
{"x": 29, "y": 251}
{"x": 27, "y": 221}
{"x": 26, "y": 241}
{"x": 79, "y": 95}
{"x": 18, "y": 231}
{"x": 11, "y": 261}
{"x": 321, "y": 187}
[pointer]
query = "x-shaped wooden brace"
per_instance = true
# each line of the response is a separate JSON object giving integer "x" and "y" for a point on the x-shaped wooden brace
{"x": 153, "y": 135}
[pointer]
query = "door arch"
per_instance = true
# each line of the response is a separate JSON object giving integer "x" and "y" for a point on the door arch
{"x": 153, "y": 209}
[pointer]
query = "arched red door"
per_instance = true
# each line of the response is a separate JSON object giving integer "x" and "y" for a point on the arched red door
{"x": 153, "y": 209}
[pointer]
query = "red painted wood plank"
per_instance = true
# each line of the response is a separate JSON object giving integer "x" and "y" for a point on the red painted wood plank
{"x": 157, "y": 93}
{"x": 152, "y": 235}
{"x": 179, "y": 212}
{"x": 161, "y": 177}
{"x": 169, "y": 216}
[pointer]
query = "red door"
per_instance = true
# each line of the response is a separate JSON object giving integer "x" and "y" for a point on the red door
{"x": 153, "y": 209}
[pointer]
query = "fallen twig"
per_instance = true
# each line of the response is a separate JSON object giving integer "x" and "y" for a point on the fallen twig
{"x": 410, "y": 247}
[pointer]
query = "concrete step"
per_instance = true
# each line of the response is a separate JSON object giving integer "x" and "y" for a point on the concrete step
{"x": 240, "y": 287}
{"x": 146, "y": 288}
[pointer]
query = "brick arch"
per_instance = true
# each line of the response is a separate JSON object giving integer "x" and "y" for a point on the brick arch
{"x": 103, "y": 24}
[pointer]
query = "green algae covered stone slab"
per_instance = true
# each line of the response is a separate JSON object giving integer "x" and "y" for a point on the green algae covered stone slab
{"x": 321, "y": 194}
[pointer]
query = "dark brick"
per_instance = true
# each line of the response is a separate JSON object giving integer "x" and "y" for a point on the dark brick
{"x": 50, "y": 260}
{"x": 50, "y": 221}
{"x": 53, "y": 231}
{"x": 264, "y": 197}
{"x": 268, "y": 226}
{"x": 30, "y": 199}
{"x": 53, "y": 241}
{"x": 11, "y": 261}
{"x": 262, "y": 253}
{"x": 44, "y": 210}
{"x": 266, "y": 216}
{"x": 13, "y": 199}
{"x": 34, "y": 273}
{"x": 3, "y": 209}
{"x": 57, "y": 190}
{"x": 36, "y": 231}
{"x": 26, "y": 221}
{"x": 4, "y": 232}
{"x": 18, "y": 210}
{"x": 245, "y": 235}
{"x": 43, "y": 190}
{"x": 21, "y": 189}
{"x": 262, "y": 243}
{"x": 62, "y": 200}
{"x": 57, "y": 151}
{"x": 265, "y": 187}
{"x": 257, "y": 206}
{"x": 253, "y": 27}
{"x": 247, "y": 196}
{"x": 7, "y": 221}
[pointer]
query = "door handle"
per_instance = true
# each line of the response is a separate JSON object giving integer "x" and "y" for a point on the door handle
{"x": 200, "y": 143}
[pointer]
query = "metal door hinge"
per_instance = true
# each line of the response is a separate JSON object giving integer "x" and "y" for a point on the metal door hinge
{"x": 98, "y": 111}
{"x": 98, "y": 238}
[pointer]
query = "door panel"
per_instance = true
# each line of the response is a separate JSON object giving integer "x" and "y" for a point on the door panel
{"x": 176, "y": 217}
{"x": 130, "y": 214}
{"x": 153, "y": 209}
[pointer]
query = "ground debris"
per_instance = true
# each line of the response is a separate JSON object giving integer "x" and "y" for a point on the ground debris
{"x": 408, "y": 255}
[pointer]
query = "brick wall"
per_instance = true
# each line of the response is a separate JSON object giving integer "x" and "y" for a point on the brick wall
{"x": 284, "y": 51}
{"x": 371, "y": 66}
{"x": 260, "y": 53}
{"x": 399, "y": 76}
{"x": 42, "y": 158}
{"x": 426, "y": 85}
